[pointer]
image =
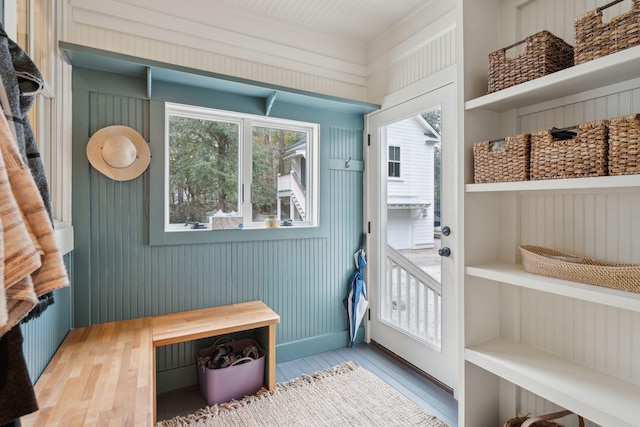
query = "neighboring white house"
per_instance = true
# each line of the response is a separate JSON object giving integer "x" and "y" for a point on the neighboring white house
{"x": 292, "y": 186}
{"x": 410, "y": 184}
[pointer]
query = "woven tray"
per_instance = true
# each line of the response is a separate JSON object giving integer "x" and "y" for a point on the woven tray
{"x": 536, "y": 260}
{"x": 543, "y": 54}
{"x": 594, "y": 38}
{"x": 503, "y": 160}
{"x": 582, "y": 156}
{"x": 624, "y": 145}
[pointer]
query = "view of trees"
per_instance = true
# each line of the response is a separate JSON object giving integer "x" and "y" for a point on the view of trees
{"x": 203, "y": 168}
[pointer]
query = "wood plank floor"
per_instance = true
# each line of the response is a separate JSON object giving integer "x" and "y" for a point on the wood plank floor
{"x": 422, "y": 392}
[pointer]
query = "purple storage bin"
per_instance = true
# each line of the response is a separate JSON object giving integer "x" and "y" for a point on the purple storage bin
{"x": 244, "y": 377}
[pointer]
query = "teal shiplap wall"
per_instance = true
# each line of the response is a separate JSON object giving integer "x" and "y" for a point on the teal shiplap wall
{"x": 43, "y": 335}
{"x": 118, "y": 275}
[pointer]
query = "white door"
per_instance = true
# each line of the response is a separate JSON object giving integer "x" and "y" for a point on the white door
{"x": 412, "y": 291}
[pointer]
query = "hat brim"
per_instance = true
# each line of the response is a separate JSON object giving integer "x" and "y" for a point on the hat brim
{"x": 94, "y": 153}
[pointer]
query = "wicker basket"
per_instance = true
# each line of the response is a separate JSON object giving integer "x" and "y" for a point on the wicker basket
{"x": 503, "y": 160}
{"x": 552, "y": 263}
{"x": 624, "y": 145}
{"x": 594, "y": 38}
{"x": 581, "y": 156}
{"x": 541, "y": 421}
{"x": 543, "y": 54}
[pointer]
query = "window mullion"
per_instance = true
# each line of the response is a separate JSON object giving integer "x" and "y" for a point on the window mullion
{"x": 246, "y": 150}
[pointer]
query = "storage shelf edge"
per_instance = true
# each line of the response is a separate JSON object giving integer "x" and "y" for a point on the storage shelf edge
{"x": 514, "y": 274}
{"x": 596, "y": 396}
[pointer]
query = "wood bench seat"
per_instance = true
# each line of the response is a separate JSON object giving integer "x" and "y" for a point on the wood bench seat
{"x": 105, "y": 374}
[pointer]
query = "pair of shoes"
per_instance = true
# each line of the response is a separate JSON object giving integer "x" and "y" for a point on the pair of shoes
{"x": 227, "y": 360}
{"x": 252, "y": 352}
{"x": 206, "y": 362}
{"x": 221, "y": 355}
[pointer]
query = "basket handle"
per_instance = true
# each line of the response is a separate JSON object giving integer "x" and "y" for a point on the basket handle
{"x": 635, "y": 4}
{"x": 242, "y": 359}
{"x": 552, "y": 416}
{"x": 517, "y": 43}
{"x": 218, "y": 342}
{"x": 608, "y": 5}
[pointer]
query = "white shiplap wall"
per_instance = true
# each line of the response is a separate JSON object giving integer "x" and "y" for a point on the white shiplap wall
{"x": 412, "y": 51}
{"x": 413, "y": 58}
{"x": 205, "y": 39}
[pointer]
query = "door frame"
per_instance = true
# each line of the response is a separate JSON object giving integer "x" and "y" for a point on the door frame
{"x": 374, "y": 193}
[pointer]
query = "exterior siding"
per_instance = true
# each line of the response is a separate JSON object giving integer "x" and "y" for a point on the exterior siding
{"x": 416, "y": 180}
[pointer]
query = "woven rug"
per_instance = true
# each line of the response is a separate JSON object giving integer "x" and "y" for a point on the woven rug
{"x": 345, "y": 395}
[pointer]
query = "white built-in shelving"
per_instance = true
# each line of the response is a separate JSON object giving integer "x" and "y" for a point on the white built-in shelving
{"x": 600, "y": 183}
{"x": 596, "y": 74}
{"x": 613, "y": 402}
{"x": 498, "y": 361}
{"x": 514, "y": 274}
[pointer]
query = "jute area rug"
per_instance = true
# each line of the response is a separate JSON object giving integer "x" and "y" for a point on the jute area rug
{"x": 345, "y": 395}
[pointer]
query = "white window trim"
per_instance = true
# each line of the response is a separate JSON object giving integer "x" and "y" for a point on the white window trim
{"x": 246, "y": 123}
{"x": 53, "y": 125}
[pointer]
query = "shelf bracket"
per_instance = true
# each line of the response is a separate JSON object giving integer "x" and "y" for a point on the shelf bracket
{"x": 271, "y": 99}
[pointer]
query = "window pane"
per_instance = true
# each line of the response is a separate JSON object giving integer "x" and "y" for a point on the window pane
{"x": 203, "y": 168}
{"x": 279, "y": 175}
{"x": 394, "y": 161}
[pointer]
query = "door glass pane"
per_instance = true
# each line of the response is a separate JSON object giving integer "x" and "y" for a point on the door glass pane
{"x": 279, "y": 175}
{"x": 413, "y": 227}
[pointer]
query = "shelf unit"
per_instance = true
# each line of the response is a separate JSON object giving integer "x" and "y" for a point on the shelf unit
{"x": 554, "y": 378}
{"x": 512, "y": 360}
{"x": 514, "y": 274}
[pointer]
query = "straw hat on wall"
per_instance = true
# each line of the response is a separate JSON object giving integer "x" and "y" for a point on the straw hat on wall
{"x": 119, "y": 152}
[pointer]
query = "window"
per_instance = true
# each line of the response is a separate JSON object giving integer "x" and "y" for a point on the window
{"x": 394, "y": 162}
{"x": 227, "y": 170}
{"x": 34, "y": 28}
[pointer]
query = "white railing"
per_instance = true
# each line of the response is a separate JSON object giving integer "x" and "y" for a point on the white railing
{"x": 412, "y": 299}
{"x": 289, "y": 185}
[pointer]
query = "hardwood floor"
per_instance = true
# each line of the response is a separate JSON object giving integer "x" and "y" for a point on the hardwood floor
{"x": 407, "y": 381}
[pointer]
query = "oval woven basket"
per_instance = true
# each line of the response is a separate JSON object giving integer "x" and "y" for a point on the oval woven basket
{"x": 538, "y": 260}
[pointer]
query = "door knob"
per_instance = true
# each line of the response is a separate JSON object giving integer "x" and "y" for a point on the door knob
{"x": 444, "y": 251}
{"x": 446, "y": 230}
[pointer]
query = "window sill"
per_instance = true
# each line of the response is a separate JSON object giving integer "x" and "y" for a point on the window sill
{"x": 256, "y": 226}
{"x": 246, "y": 234}
{"x": 64, "y": 237}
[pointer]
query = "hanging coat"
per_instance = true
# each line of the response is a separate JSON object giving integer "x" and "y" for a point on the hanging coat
{"x": 20, "y": 81}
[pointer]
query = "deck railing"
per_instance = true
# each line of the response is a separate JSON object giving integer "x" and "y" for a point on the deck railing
{"x": 412, "y": 300}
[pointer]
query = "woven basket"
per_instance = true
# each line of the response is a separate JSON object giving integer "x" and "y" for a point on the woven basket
{"x": 594, "y": 38}
{"x": 543, "y": 54}
{"x": 541, "y": 421}
{"x": 552, "y": 263}
{"x": 584, "y": 155}
{"x": 502, "y": 161}
{"x": 624, "y": 145}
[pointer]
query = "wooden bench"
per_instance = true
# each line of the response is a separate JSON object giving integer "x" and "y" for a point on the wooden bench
{"x": 105, "y": 374}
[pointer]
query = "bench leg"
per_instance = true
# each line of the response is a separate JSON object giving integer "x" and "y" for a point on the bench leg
{"x": 271, "y": 358}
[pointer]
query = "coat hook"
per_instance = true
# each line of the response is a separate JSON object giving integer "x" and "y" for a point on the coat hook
{"x": 346, "y": 164}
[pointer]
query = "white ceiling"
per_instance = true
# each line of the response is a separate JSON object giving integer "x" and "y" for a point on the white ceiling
{"x": 359, "y": 21}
